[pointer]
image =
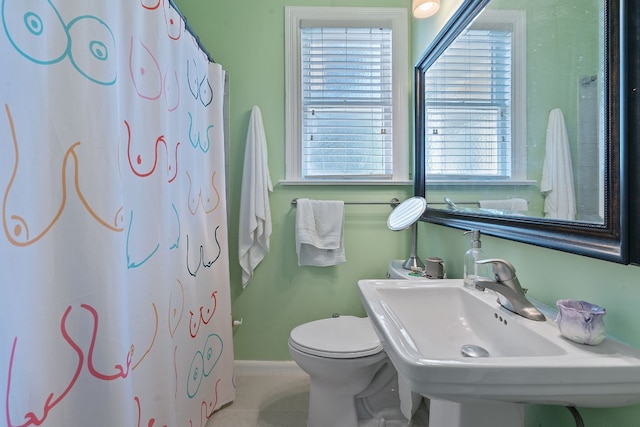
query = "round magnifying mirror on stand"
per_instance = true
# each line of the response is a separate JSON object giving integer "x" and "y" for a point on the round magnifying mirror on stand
{"x": 405, "y": 215}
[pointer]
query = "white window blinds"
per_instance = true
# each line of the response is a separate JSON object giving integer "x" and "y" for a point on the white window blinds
{"x": 346, "y": 103}
{"x": 469, "y": 108}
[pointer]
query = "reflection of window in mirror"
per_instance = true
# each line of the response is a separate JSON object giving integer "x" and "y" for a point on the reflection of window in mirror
{"x": 476, "y": 103}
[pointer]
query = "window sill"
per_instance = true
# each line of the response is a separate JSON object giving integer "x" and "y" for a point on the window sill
{"x": 286, "y": 182}
{"x": 484, "y": 183}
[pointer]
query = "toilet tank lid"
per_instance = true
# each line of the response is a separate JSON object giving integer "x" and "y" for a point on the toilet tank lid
{"x": 339, "y": 335}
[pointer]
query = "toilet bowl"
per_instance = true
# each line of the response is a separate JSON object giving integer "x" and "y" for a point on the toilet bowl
{"x": 351, "y": 378}
{"x": 352, "y": 381}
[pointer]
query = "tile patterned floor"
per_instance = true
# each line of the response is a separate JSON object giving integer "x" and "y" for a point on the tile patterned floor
{"x": 277, "y": 398}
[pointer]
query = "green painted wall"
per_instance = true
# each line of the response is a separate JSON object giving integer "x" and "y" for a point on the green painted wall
{"x": 250, "y": 45}
{"x": 247, "y": 38}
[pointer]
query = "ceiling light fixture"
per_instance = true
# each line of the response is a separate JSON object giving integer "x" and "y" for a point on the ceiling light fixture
{"x": 425, "y": 8}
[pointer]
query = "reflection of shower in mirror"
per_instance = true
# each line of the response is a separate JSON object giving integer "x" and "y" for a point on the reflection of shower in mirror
{"x": 589, "y": 173}
{"x": 587, "y": 80}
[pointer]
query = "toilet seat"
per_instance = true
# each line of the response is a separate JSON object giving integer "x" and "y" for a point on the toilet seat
{"x": 344, "y": 337}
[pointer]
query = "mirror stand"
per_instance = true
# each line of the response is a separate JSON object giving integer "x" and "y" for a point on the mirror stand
{"x": 413, "y": 262}
{"x": 406, "y": 215}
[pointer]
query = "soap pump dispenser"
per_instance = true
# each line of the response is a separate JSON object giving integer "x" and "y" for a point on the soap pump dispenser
{"x": 472, "y": 270}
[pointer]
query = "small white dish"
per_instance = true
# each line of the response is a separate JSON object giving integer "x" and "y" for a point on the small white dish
{"x": 581, "y": 321}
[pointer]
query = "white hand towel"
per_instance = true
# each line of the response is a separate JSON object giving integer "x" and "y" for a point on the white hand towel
{"x": 320, "y": 232}
{"x": 557, "y": 171}
{"x": 255, "y": 214}
{"x": 515, "y": 204}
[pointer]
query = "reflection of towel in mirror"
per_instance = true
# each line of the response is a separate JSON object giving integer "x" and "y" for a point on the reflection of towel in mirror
{"x": 557, "y": 171}
{"x": 255, "y": 215}
{"x": 515, "y": 204}
{"x": 320, "y": 232}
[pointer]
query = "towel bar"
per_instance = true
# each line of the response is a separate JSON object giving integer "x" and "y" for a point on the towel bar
{"x": 393, "y": 203}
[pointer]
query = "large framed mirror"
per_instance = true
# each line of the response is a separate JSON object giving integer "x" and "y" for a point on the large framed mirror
{"x": 519, "y": 124}
{"x": 632, "y": 130}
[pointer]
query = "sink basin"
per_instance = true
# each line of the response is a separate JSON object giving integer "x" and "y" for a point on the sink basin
{"x": 423, "y": 325}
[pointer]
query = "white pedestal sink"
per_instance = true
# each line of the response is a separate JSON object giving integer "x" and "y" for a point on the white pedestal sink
{"x": 423, "y": 325}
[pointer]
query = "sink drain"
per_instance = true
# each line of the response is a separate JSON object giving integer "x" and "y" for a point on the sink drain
{"x": 472, "y": 350}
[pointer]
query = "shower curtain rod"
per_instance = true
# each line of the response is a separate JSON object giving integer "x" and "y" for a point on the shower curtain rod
{"x": 190, "y": 30}
{"x": 393, "y": 202}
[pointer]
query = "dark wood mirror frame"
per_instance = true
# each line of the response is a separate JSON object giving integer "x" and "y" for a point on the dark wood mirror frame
{"x": 631, "y": 78}
{"x": 609, "y": 241}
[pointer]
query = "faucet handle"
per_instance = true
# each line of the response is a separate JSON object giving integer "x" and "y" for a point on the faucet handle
{"x": 502, "y": 269}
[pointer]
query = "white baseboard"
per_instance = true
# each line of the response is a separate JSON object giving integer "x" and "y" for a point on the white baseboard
{"x": 264, "y": 367}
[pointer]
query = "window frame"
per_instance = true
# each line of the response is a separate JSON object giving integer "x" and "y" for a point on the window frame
{"x": 394, "y": 18}
{"x": 515, "y": 21}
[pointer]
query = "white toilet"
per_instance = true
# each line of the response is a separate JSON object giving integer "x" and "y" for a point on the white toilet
{"x": 353, "y": 383}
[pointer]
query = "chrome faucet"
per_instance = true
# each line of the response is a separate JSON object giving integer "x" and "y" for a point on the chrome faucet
{"x": 507, "y": 284}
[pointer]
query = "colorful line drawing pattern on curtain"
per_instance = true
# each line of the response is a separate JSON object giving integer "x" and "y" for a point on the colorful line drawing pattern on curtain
{"x": 100, "y": 66}
{"x": 195, "y": 137}
{"x": 150, "y": 4}
{"x": 82, "y": 66}
{"x": 174, "y": 318}
{"x": 153, "y": 340}
{"x": 203, "y": 363}
{"x": 145, "y": 71}
{"x": 200, "y": 87}
{"x": 202, "y": 318}
{"x": 201, "y": 261}
{"x": 171, "y": 169}
{"x": 148, "y": 79}
{"x": 174, "y": 23}
{"x": 121, "y": 370}
{"x": 175, "y": 368}
{"x": 51, "y": 402}
{"x": 176, "y": 245}
{"x": 138, "y": 263}
{"x": 172, "y": 18}
{"x": 195, "y": 202}
{"x": 206, "y": 410}
{"x": 141, "y": 260}
{"x": 20, "y": 234}
{"x": 151, "y": 421}
{"x": 171, "y": 89}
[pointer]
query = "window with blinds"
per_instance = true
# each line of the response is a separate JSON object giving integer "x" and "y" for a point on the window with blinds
{"x": 346, "y": 92}
{"x": 470, "y": 109}
{"x": 347, "y": 108}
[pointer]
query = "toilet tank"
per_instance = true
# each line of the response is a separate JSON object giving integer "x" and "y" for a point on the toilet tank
{"x": 396, "y": 271}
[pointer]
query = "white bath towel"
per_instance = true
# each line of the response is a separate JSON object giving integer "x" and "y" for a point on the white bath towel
{"x": 557, "y": 172}
{"x": 514, "y": 204}
{"x": 255, "y": 214}
{"x": 320, "y": 232}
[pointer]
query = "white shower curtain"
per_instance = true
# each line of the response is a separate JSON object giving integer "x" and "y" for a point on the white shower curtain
{"x": 114, "y": 283}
